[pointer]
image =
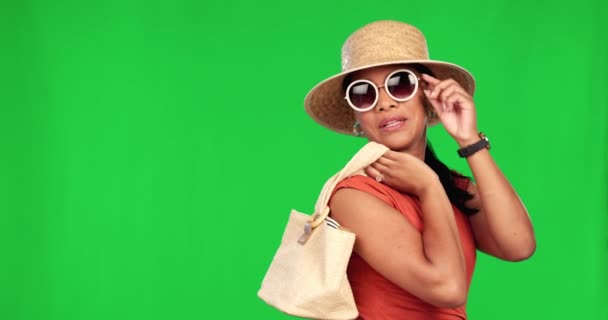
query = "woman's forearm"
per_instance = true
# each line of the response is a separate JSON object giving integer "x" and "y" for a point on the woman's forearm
{"x": 504, "y": 215}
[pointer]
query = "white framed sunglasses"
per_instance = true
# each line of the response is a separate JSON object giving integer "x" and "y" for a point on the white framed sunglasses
{"x": 401, "y": 85}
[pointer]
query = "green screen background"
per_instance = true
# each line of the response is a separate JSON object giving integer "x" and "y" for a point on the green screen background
{"x": 152, "y": 150}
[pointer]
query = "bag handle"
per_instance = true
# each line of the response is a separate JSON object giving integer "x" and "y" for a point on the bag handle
{"x": 363, "y": 158}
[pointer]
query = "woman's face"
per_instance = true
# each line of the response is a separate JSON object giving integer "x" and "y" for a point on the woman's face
{"x": 401, "y": 126}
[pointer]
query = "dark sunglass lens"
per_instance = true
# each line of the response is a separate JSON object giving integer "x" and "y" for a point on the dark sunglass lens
{"x": 362, "y": 95}
{"x": 401, "y": 85}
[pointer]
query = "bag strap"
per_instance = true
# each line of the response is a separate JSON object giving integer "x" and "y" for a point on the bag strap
{"x": 363, "y": 158}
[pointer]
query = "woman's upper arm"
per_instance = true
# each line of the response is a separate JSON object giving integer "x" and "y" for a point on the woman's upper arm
{"x": 486, "y": 240}
{"x": 391, "y": 245}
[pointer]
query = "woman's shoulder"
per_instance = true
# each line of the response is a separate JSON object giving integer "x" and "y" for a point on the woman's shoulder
{"x": 363, "y": 183}
{"x": 359, "y": 180}
{"x": 406, "y": 204}
{"x": 375, "y": 188}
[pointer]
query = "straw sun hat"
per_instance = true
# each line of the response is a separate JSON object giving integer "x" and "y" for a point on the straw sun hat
{"x": 376, "y": 44}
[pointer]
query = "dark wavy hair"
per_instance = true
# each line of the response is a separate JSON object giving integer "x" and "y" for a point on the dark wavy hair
{"x": 449, "y": 178}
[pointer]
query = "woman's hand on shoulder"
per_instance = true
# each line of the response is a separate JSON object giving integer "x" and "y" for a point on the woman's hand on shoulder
{"x": 403, "y": 172}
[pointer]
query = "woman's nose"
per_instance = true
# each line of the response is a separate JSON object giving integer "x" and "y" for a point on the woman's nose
{"x": 385, "y": 101}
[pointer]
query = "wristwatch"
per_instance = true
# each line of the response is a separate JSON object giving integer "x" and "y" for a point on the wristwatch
{"x": 471, "y": 149}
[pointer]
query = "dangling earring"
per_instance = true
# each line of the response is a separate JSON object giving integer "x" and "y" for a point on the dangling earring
{"x": 357, "y": 129}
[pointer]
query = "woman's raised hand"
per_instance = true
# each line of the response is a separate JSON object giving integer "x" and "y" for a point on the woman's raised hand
{"x": 455, "y": 108}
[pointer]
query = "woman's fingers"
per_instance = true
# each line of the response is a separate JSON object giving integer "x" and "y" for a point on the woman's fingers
{"x": 394, "y": 156}
{"x": 448, "y": 91}
{"x": 439, "y": 87}
{"x": 384, "y": 160}
{"x": 380, "y": 167}
{"x": 430, "y": 79}
{"x": 374, "y": 173}
{"x": 390, "y": 155}
{"x": 457, "y": 100}
{"x": 438, "y": 106}
{"x": 445, "y": 96}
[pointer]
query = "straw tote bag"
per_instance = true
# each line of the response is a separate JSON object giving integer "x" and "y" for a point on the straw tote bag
{"x": 307, "y": 276}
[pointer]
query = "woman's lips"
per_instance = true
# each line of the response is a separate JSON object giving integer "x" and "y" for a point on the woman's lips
{"x": 392, "y": 124}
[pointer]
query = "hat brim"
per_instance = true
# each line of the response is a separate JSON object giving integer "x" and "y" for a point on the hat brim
{"x": 325, "y": 102}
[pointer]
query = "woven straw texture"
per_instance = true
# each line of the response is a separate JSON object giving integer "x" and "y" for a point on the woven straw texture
{"x": 309, "y": 280}
{"x": 376, "y": 44}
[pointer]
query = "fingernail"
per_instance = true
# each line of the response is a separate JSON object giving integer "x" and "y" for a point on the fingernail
{"x": 427, "y": 92}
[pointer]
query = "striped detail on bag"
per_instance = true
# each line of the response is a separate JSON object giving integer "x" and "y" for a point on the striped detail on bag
{"x": 332, "y": 223}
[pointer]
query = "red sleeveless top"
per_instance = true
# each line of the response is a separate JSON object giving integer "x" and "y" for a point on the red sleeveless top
{"x": 378, "y": 298}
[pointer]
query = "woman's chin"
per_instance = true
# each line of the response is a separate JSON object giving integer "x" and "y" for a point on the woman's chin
{"x": 396, "y": 145}
{"x": 393, "y": 141}
{"x": 397, "y": 142}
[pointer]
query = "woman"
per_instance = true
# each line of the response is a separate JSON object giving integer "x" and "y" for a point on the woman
{"x": 418, "y": 224}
